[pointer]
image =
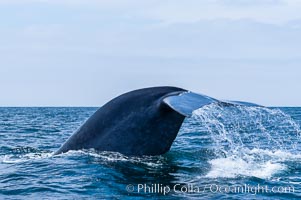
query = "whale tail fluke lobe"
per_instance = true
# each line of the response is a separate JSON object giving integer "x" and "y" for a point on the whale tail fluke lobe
{"x": 187, "y": 102}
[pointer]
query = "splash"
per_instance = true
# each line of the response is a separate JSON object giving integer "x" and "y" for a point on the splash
{"x": 248, "y": 141}
{"x": 232, "y": 167}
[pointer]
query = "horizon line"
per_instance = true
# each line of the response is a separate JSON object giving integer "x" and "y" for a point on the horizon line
{"x": 94, "y": 106}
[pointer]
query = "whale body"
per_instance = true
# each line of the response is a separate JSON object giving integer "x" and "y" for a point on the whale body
{"x": 140, "y": 122}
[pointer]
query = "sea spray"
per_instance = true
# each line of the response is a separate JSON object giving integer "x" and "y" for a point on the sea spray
{"x": 245, "y": 139}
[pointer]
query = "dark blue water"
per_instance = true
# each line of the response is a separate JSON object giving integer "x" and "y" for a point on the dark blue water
{"x": 226, "y": 153}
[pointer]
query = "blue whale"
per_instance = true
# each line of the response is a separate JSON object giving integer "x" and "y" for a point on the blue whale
{"x": 140, "y": 122}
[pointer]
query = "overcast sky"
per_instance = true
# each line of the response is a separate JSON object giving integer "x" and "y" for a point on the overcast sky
{"x": 83, "y": 53}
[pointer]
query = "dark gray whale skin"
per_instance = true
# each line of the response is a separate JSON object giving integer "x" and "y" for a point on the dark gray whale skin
{"x": 135, "y": 123}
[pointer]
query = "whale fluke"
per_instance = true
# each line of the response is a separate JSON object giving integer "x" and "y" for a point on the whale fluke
{"x": 186, "y": 102}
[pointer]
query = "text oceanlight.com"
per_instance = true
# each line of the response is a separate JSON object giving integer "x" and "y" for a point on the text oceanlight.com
{"x": 210, "y": 188}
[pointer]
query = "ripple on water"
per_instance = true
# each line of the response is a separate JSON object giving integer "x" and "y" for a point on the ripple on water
{"x": 227, "y": 146}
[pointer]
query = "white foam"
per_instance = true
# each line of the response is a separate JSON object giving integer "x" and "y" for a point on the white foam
{"x": 235, "y": 167}
{"x": 11, "y": 159}
{"x": 106, "y": 156}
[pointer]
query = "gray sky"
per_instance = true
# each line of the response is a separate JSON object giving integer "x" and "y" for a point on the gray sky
{"x": 83, "y": 53}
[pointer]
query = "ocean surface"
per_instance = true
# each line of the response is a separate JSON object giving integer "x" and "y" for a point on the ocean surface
{"x": 220, "y": 153}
